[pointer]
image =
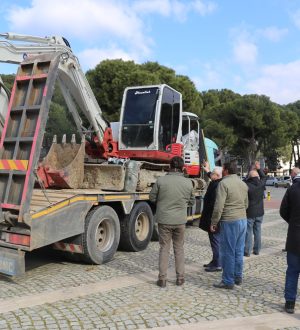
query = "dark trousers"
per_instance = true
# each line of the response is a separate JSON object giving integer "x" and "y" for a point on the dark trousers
{"x": 214, "y": 239}
{"x": 168, "y": 233}
{"x": 292, "y": 276}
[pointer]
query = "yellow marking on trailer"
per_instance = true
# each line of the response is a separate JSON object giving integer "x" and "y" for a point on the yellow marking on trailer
{"x": 144, "y": 196}
{"x": 64, "y": 203}
{"x": 111, "y": 197}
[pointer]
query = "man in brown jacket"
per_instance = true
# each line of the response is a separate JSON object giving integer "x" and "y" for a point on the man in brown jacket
{"x": 172, "y": 194}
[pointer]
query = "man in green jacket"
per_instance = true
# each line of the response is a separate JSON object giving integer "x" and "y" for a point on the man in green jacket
{"x": 230, "y": 210}
{"x": 172, "y": 194}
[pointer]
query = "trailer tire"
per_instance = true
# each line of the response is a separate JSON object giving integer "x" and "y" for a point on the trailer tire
{"x": 137, "y": 228}
{"x": 101, "y": 235}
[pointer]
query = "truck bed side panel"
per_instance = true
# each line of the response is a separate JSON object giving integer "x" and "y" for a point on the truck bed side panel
{"x": 50, "y": 226}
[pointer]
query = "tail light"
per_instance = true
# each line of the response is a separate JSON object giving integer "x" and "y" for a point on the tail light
{"x": 18, "y": 239}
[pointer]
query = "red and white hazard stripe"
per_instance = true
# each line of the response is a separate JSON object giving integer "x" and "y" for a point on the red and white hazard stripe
{"x": 75, "y": 248}
{"x": 10, "y": 164}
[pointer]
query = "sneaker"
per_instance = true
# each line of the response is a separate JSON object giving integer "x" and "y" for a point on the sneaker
{"x": 180, "y": 281}
{"x": 162, "y": 283}
{"x": 238, "y": 280}
{"x": 256, "y": 253}
{"x": 213, "y": 269}
{"x": 222, "y": 285}
{"x": 246, "y": 254}
{"x": 208, "y": 265}
{"x": 290, "y": 307}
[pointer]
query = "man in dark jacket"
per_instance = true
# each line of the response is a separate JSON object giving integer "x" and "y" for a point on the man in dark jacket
{"x": 290, "y": 212}
{"x": 256, "y": 182}
{"x": 172, "y": 194}
{"x": 205, "y": 221}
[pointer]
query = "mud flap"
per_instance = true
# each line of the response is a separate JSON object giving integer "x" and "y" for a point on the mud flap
{"x": 12, "y": 262}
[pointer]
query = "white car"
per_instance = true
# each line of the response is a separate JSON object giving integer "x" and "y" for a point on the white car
{"x": 285, "y": 181}
{"x": 271, "y": 181}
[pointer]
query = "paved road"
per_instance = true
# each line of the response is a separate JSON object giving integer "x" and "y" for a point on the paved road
{"x": 57, "y": 294}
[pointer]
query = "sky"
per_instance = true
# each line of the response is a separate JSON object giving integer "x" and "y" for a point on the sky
{"x": 247, "y": 46}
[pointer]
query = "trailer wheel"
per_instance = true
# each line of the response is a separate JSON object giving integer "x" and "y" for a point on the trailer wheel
{"x": 137, "y": 228}
{"x": 101, "y": 235}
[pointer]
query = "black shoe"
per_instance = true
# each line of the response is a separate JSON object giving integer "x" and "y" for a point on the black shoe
{"x": 238, "y": 281}
{"x": 256, "y": 253}
{"x": 208, "y": 265}
{"x": 180, "y": 281}
{"x": 162, "y": 283}
{"x": 213, "y": 269}
{"x": 290, "y": 307}
{"x": 222, "y": 285}
{"x": 246, "y": 255}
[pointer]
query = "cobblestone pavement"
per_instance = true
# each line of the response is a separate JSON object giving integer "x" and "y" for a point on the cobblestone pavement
{"x": 57, "y": 294}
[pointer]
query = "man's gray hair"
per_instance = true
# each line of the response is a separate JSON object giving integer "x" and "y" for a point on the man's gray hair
{"x": 217, "y": 170}
{"x": 296, "y": 170}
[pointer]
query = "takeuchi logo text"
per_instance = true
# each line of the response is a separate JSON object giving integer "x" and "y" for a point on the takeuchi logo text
{"x": 142, "y": 92}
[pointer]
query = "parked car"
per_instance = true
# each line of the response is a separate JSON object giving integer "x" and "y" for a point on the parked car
{"x": 271, "y": 181}
{"x": 285, "y": 181}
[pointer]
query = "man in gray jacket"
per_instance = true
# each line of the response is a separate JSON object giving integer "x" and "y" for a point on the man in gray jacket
{"x": 230, "y": 210}
{"x": 172, "y": 194}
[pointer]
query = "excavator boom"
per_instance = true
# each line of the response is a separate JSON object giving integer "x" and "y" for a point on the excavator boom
{"x": 71, "y": 78}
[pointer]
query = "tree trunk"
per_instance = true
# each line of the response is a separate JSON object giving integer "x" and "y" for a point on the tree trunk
{"x": 291, "y": 157}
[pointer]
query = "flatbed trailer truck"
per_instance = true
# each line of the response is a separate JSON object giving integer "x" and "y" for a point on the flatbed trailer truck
{"x": 82, "y": 222}
{"x": 97, "y": 207}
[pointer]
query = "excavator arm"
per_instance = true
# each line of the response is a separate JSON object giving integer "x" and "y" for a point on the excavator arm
{"x": 15, "y": 48}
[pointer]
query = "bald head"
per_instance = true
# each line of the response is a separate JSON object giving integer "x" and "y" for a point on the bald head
{"x": 295, "y": 171}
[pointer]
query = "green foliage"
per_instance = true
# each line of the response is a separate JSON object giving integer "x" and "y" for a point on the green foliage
{"x": 59, "y": 123}
{"x": 8, "y": 80}
{"x": 258, "y": 126}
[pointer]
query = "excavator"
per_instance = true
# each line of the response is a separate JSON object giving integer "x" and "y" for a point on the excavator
{"x": 151, "y": 120}
{"x": 98, "y": 186}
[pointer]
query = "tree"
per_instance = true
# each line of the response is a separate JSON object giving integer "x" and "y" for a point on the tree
{"x": 295, "y": 140}
{"x": 8, "y": 80}
{"x": 258, "y": 126}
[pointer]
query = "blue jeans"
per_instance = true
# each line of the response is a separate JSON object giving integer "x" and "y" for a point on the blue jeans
{"x": 232, "y": 245}
{"x": 292, "y": 276}
{"x": 253, "y": 228}
{"x": 214, "y": 239}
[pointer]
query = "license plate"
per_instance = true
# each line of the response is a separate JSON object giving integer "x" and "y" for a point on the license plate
{"x": 12, "y": 262}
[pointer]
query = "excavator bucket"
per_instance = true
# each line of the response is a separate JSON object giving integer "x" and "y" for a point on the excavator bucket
{"x": 63, "y": 167}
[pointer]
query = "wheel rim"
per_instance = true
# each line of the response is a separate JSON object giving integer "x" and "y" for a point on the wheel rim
{"x": 104, "y": 235}
{"x": 142, "y": 226}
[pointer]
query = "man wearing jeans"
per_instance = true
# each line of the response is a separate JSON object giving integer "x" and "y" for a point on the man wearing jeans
{"x": 256, "y": 184}
{"x": 290, "y": 212}
{"x": 172, "y": 194}
{"x": 230, "y": 210}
